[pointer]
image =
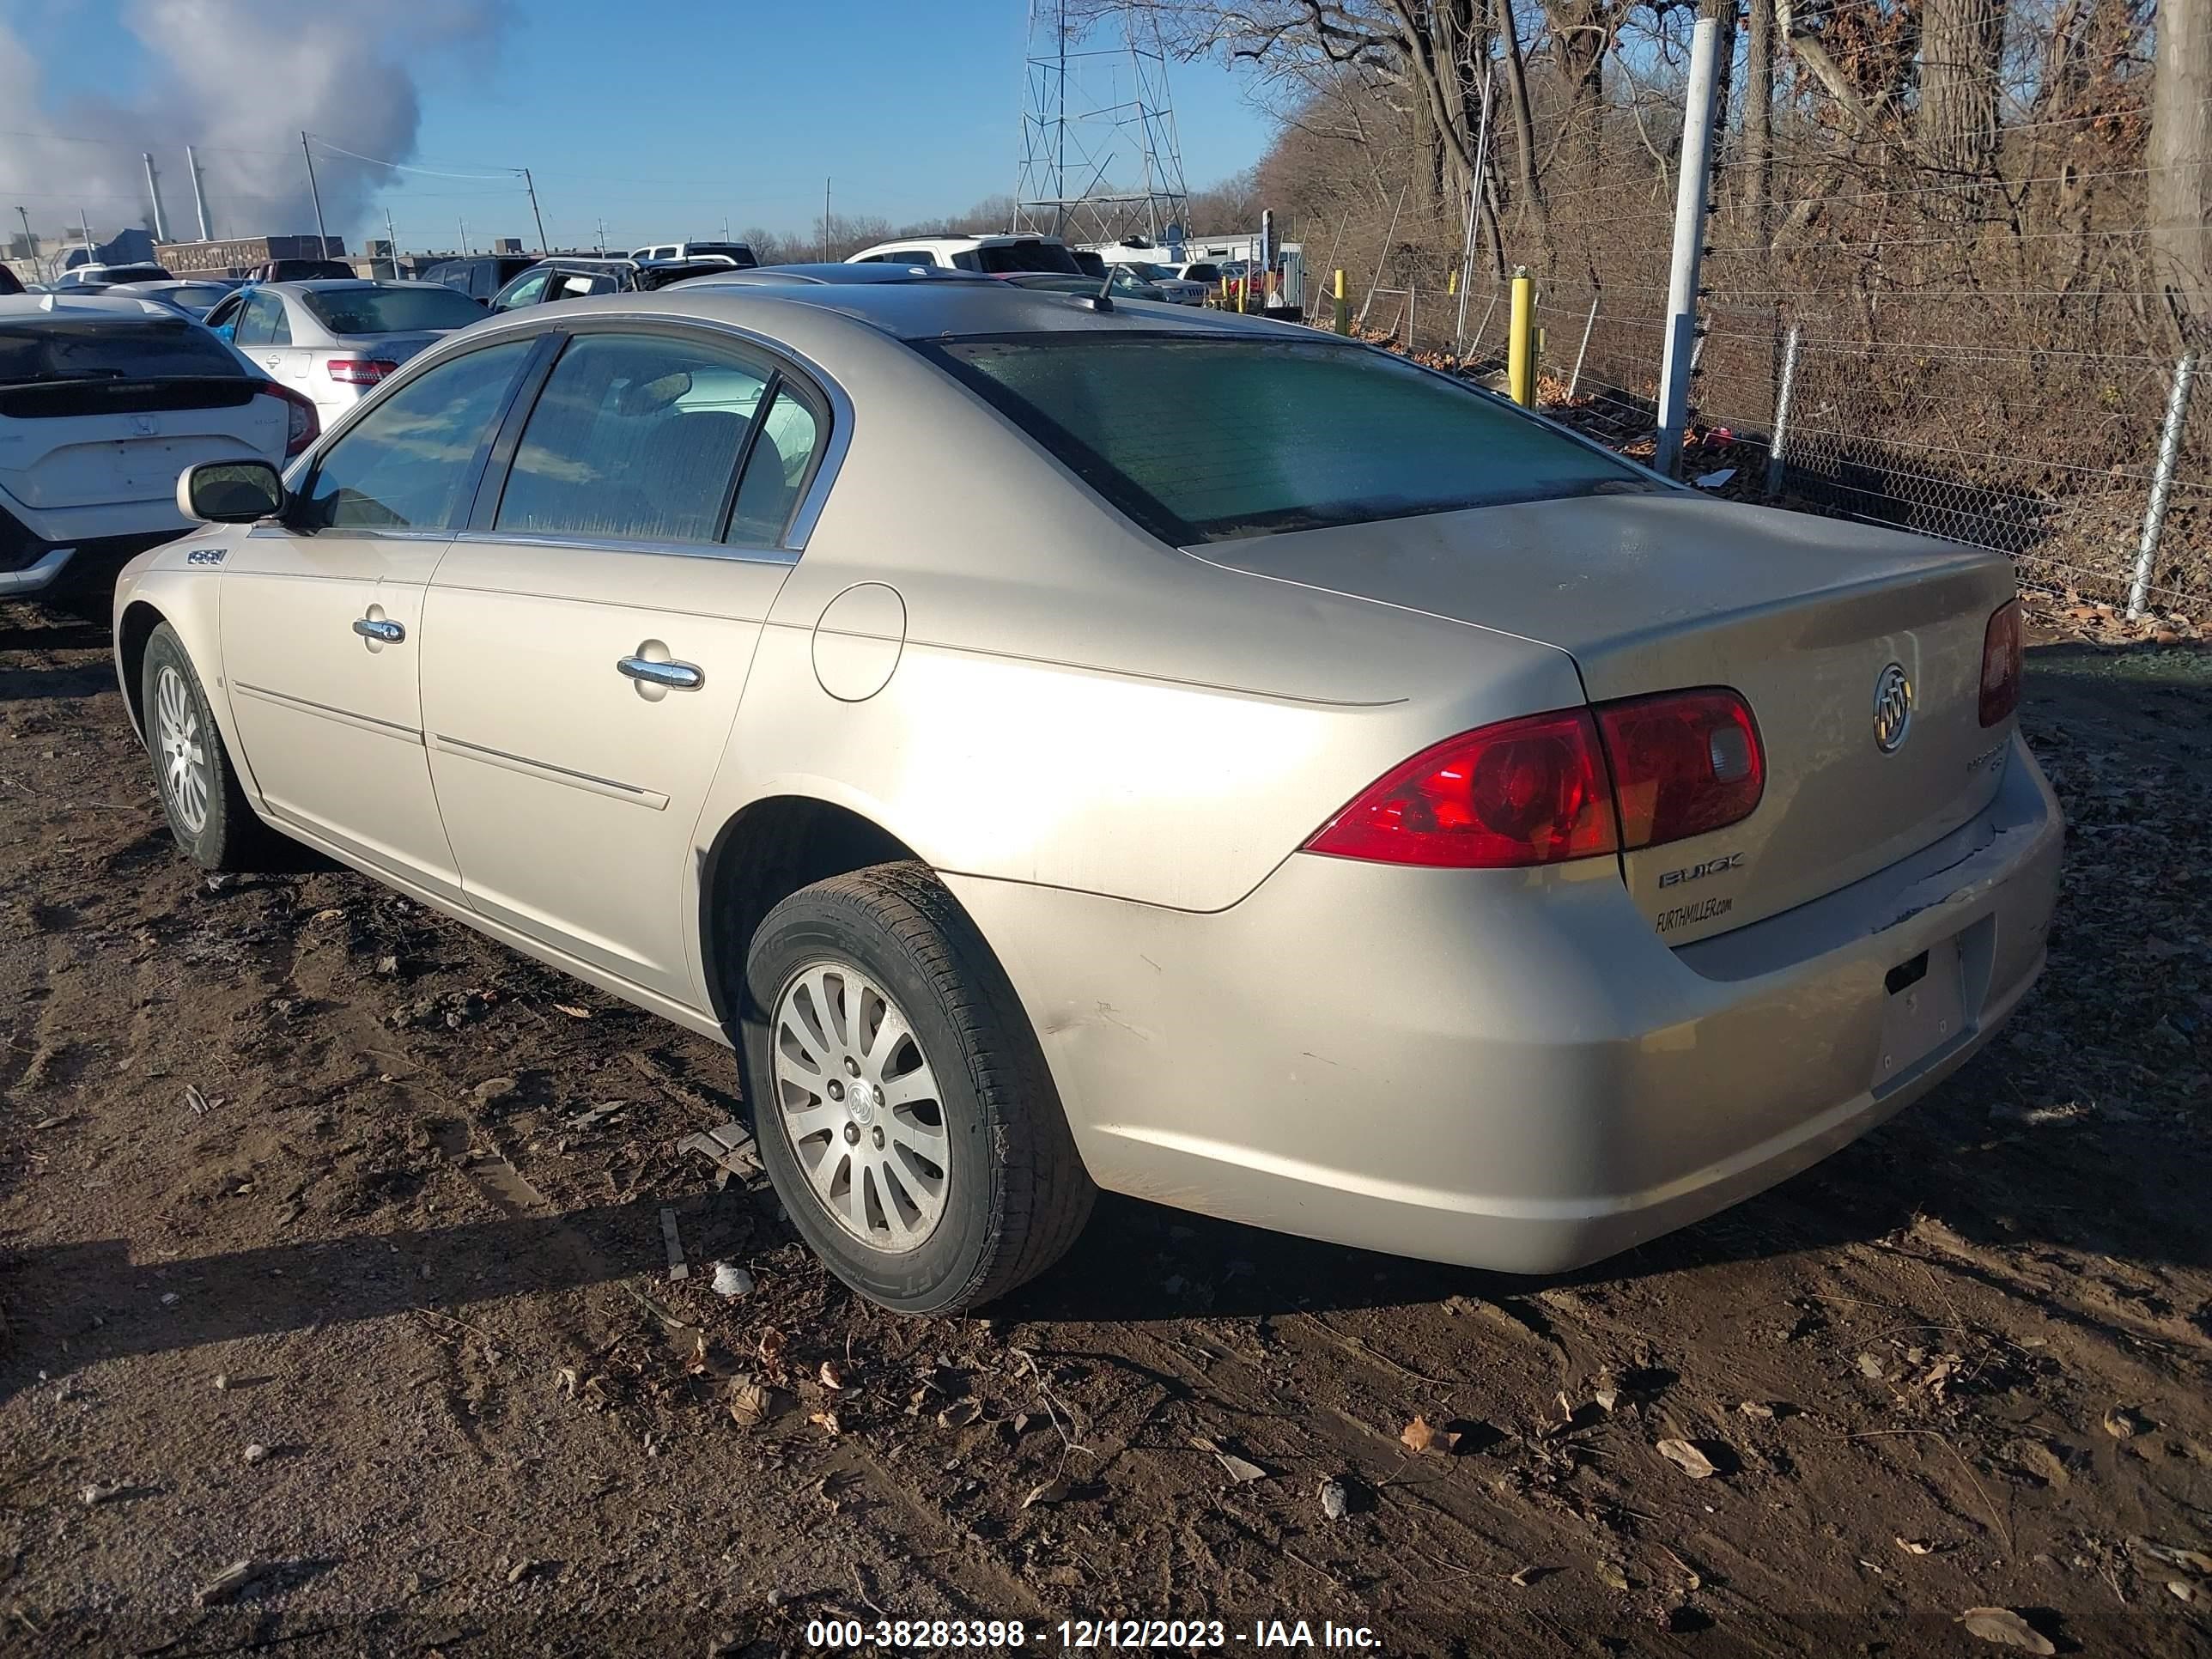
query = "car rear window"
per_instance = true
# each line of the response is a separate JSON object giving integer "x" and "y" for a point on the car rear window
{"x": 1001, "y": 258}
{"x": 157, "y": 348}
{"x": 390, "y": 310}
{"x": 1212, "y": 439}
{"x": 193, "y": 294}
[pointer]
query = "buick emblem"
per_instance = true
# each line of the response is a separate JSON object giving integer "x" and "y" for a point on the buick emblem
{"x": 1893, "y": 708}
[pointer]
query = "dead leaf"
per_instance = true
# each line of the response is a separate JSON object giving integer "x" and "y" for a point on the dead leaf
{"x": 1422, "y": 1436}
{"x": 832, "y": 1375}
{"x": 2006, "y": 1628}
{"x": 1053, "y": 1491}
{"x": 1335, "y": 1499}
{"x": 1686, "y": 1457}
{"x": 226, "y": 1584}
{"x": 1916, "y": 1547}
{"x": 752, "y": 1402}
{"x": 572, "y": 1011}
{"x": 1758, "y": 1408}
{"x": 2195, "y": 1561}
{"x": 1522, "y": 1577}
{"x": 825, "y": 1419}
{"x": 959, "y": 1414}
{"x": 2122, "y": 1423}
{"x": 1871, "y": 1368}
{"x": 2189, "y": 1594}
{"x": 566, "y": 1379}
{"x": 1241, "y": 1469}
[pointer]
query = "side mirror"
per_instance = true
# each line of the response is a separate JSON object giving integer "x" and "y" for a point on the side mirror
{"x": 230, "y": 492}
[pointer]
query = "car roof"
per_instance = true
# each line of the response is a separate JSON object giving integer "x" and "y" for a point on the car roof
{"x": 29, "y": 310}
{"x": 925, "y": 310}
{"x": 337, "y": 284}
{"x": 765, "y": 275}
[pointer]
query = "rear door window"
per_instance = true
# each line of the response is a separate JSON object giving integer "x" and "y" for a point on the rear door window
{"x": 1203, "y": 440}
{"x": 635, "y": 437}
{"x": 411, "y": 462}
{"x": 257, "y": 323}
{"x": 777, "y": 469}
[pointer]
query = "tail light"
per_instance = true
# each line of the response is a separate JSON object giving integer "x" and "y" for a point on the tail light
{"x": 2004, "y": 644}
{"x": 1529, "y": 790}
{"x": 303, "y": 422}
{"x": 1683, "y": 763}
{"x": 358, "y": 371}
{"x": 1538, "y": 790}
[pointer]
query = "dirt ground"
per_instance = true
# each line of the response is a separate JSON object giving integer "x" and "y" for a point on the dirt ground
{"x": 289, "y": 1163}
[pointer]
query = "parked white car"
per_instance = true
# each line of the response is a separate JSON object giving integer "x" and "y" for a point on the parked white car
{"x": 103, "y": 399}
{"x": 737, "y": 253}
{"x": 994, "y": 256}
{"x": 334, "y": 341}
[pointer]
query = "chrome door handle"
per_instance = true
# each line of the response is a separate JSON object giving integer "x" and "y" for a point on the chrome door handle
{"x": 385, "y": 632}
{"x": 676, "y": 676}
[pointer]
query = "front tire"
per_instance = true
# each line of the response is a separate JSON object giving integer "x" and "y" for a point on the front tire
{"x": 901, "y": 1101}
{"x": 207, "y": 810}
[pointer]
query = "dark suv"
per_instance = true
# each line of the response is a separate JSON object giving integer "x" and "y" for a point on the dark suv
{"x": 579, "y": 277}
{"x": 301, "y": 271}
{"x": 480, "y": 275}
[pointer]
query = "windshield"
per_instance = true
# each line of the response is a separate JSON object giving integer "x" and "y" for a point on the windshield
{"x": 1000, "y": 258}
{"x": 157, "y": 348}
{"x": 1147, "y": 272}
{"x": 1202, "y": 272}
{"x": 390, "y": 310}
{"x": 1213, "y": 439}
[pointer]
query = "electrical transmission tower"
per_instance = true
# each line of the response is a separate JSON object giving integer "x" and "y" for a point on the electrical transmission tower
{"x": 1099, "y": 160}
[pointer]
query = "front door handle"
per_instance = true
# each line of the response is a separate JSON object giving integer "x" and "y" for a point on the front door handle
{"x": 375, "y": 628}
{"x": 676, "y": 676}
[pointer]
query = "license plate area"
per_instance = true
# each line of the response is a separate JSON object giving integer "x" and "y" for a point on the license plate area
{"x": 1923, "y": 1011}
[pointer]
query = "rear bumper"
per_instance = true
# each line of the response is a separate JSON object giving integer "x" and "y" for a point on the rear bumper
{"x": 1509, "y": 1070}
{"x": 38, "y": 576}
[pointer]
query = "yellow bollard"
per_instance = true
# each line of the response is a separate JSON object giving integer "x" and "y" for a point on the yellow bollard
{"x": 1343, "y": 306}
{"x": 1520, "y": 340}
{"x": 1451, "y": 283}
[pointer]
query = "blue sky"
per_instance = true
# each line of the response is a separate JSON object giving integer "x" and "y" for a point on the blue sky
{"x": 663, "y": 127}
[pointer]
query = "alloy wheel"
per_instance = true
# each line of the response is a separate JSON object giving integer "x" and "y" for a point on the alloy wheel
{"x": 182, "y": 756}
{"x": 860, "y": 1103}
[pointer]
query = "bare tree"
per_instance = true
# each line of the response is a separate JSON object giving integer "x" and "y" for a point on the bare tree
{"x": 2180, "y": 167}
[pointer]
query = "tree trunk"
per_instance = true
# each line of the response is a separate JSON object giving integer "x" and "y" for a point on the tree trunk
{"x": 1524, "y": 122}
{"x": 1961, "y": 41}
{"x": 1759, "y": 122}
{"x": 1581, "y": 30}
{"x": 2180, "y": 161}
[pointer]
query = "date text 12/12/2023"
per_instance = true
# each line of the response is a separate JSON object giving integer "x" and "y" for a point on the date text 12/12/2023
{"x": 1090, "y": 1635}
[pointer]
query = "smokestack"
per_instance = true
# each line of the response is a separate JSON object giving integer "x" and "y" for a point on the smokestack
{"x": 153, "y": 190}
{"x": 199, "y": 194}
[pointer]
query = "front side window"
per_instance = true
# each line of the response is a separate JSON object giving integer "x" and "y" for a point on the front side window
{"x": 390, "y": 310}
{"x": 410, "y": 462}
{"x": 635, "y": 437}
{"x": 1206, "y": 439}
{"x": 525, "y": 290}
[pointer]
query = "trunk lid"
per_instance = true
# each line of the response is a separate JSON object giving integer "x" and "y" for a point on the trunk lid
{"x": 106, "y": 443}
{"x": 1665, "y": 592}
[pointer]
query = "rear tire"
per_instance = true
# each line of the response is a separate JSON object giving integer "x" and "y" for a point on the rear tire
{"x": 192, "y": 771}
{"x": 900, "y": 1099}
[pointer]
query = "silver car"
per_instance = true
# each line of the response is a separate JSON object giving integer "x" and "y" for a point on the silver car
{"x": 335, "y": 341}
{"x": 1061, "y": 747}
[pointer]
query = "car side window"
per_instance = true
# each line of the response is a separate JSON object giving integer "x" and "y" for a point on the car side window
{"x": 527, "y": 291}
{"x": 224, "y": 311}
{"x": 776, "y": 471}
{"x": 280, "y": 320}
{"x": 408, "y": 463}
{"x": 254, "y": 322}
{"x": 913, "y": 256}
{"x": 634, "y": 437}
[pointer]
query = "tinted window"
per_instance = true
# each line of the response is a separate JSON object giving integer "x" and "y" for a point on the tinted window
{"x": 410, "y": 462}
{"x": 257, "y": 324}
{"x": 125, "y": 350}
{"x": 577, "y": 284}
{"x": 1202, "y": 272}
{"x": 634, "y": 436}
{"x": 776, "y": 471}
{"x": 1212, "y": 440}
{"x": 998, "y": 257}
{"x": 225, "y": 311}
{"x": 913, "y": 256}
{"x": 192, "y": 293}
{"x": 390, "y": 310}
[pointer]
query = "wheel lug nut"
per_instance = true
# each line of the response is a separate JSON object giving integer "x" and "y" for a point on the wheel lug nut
{"x": 879, "y": 1135}
{"x": 852, "y": 1134}
{"x": 852, "y": 1066}
{"x": 837, "y": 1090}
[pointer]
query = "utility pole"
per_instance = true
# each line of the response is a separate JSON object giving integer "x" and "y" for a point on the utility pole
{"x": 825, "y": 215}
{"x": 1694, "y": 187}
{"x": 84, "y": 220}
{"x": 153, "y": 190}
{"x": 31, "y": 244}
{"x": 322, "y": 232}
{"x": 602, "y": 243}
{"x": 199, "y": 194}
{"x": 530, "y": 185}
{"x": 391, "y": 243}
{"x": 464, "y": 224}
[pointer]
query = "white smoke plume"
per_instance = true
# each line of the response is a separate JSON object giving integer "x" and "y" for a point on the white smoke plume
{"x": 240, "y": 79}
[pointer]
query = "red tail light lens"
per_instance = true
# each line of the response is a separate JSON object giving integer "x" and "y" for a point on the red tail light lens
{"x": 358, "y": 371}
{"x": 303, "y": 422}
{"x": 1523, "y": 792}
{"x": 2004, "y": 647}
{"x": 1684, "y": 762}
